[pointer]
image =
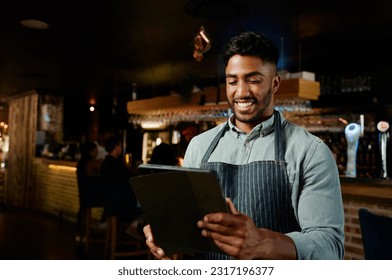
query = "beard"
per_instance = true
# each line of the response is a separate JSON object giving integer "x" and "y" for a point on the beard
{"x": 258, "y": 115}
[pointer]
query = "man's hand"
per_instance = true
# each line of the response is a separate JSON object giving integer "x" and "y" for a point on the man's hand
{"x": 237, "y": 235}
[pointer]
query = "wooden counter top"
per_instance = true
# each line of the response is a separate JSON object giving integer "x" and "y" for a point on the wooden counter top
{"x": 367, "y": 188}
{"x": 360, "y": 188}
{"x": 55, "y": 162}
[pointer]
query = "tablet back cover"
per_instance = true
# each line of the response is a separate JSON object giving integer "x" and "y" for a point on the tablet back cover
{"x": 174, "y": 201}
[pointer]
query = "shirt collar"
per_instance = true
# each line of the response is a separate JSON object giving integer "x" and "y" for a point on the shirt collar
{"x": 262, "y": 129}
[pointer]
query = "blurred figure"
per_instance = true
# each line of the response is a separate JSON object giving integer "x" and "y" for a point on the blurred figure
{"x": 88, "y": 165}
{"x": 164, "y": 154}
{"x": 88, "y": 171}
{"x": 120, "y": 199}
{"x": 188, "y": 131}
{"x": 99, "y": 140}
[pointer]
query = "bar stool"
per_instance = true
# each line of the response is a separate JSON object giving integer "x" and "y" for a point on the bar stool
{"x": 120, "y": 207}
{"x": 120, "y": 245}
{"x": 376, "y": 232}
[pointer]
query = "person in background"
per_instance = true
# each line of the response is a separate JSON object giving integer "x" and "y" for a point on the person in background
{"x": 99, "y": 140}
{"x": 281, "y": 182}
{"x": 187, "y": 133}
{"x": 88, "y": 170}
{"x": 113, "y": 166}
{"x": 88, "y": 165}
{"x": 164, "y": 154}
{"x": 120, "y": 198}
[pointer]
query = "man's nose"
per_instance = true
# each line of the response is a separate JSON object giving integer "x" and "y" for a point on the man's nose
{"x": 242, "y": 89}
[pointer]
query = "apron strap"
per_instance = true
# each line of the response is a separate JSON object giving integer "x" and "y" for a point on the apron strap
{"x": 280, "y": 139}
{"x": 214, "y": 143}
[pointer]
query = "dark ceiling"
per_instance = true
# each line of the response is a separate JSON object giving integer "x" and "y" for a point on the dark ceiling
{"x": 99, "y": 48}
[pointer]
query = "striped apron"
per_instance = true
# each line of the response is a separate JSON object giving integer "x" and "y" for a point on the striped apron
{"x": 258, "y": 189}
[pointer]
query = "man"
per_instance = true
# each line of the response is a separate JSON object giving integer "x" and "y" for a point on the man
{"x": 282, "y": 183}
{"x": 98, "y": 139}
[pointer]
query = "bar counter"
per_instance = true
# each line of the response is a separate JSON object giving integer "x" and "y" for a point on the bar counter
{"x": 56, "y": 189}
{"x": 368, "y": 189}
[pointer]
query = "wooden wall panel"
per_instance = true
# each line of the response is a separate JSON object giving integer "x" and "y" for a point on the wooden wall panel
{"x": 22, "y": 132}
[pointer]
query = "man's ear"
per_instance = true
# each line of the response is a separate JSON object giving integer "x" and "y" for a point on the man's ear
{"x": 276, "y": 83}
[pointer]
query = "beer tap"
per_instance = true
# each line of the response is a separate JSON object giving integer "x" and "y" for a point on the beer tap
{"x": 352, "y": 132}
{"x": 383, "y": 137}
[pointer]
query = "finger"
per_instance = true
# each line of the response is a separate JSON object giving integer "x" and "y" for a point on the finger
{"x": 160, "y": 255}
{"x": 157, "y": 252}
{"x": 154, "y": 248}
{"x": 231, "y": 206}
{"x": 147, "y": 232}
{"x": 228, "y": 248}
{"x": 220, "y": 218}
{"x": 218, "y": 231}
{"x": 231, "y": 245}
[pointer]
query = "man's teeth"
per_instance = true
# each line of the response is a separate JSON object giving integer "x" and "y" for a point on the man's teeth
{"x": 244, "y": 105}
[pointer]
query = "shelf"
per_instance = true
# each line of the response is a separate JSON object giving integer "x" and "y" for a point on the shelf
{"x": 298, "y": 88}
{"x": 291, "y": 88}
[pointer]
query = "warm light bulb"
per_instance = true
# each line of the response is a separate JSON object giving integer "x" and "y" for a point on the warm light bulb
{"x": 34, "y": 23}
{"x": 92, "y": 108}
{"x": 158, "y": 141}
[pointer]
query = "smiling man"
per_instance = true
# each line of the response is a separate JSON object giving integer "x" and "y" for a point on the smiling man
{"x": 281, "y": 182}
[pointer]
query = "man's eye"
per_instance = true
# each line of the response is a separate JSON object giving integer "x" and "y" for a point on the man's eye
{"x": 231, "y": 82}
{"x": 253, "y": 81}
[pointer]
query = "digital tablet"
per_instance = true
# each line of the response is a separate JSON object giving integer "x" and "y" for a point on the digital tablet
{"x": 173, "y": 199}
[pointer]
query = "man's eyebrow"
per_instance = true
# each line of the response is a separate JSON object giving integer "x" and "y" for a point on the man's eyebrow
{"x": 231, "y": 76}
{"x": 247, "y": 75}
{"x": 254, "y": 73}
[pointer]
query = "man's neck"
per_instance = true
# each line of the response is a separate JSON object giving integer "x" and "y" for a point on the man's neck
{"x": 248, "y": 127}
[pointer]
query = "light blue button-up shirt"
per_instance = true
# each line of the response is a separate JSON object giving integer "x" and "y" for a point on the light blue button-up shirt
{"x": 313, "y": 175}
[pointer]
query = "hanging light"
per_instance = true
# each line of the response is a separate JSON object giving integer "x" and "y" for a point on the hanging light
{"x": 34, "y": 24}
{"x": 201, "y": 44}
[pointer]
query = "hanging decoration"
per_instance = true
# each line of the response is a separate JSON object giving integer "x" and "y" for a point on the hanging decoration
{"x": 201, "y": 44}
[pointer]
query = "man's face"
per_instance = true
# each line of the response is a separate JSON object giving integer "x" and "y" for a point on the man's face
{"x": 250, "y": 86}
{"x": 118, "y": 149}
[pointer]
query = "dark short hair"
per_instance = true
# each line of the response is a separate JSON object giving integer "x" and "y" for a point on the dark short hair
{"x": 253, "y": 44}
{"x": 164, "y": 154}
{"x": 111, "y": 143}
{"x": 86, "y": 148}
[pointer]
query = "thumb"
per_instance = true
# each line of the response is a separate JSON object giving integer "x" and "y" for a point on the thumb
{"x": 231, "y": 206}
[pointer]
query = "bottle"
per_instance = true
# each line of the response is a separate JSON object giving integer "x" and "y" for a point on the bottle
{"x": 134, "y": 94}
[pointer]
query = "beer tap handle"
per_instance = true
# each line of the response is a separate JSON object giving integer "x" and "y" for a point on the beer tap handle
{"x": 383, "y": 135}
{"x": 352, "y": 132}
